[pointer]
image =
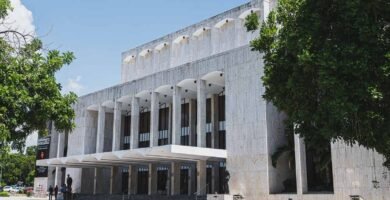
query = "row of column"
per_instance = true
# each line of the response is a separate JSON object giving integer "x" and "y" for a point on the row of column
{"x": 173, "y": 179}
{"x": 154, "y": 112}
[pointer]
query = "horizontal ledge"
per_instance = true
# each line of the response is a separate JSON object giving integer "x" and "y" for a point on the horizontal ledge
{"x": 167, "y": 153}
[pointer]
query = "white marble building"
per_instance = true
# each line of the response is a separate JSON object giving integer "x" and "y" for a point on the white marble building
{"x": 188, "y": 118}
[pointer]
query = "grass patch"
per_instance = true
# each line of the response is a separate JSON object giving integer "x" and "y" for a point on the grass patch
{"x": 4, "y": 194}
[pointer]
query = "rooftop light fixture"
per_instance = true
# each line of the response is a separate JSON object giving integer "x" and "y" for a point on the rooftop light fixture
{"x": 248, "y": 12}
{"x": 223, "y": 22}
{"x": 161, "y": 46}
{"x": 145, "y": 52}
{"x": 200, "y": 31}
{"x": 129, "y": 58}
{"x": 179, "y": 39}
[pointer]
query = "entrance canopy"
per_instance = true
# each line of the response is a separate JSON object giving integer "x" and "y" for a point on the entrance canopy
{"x": 159, "y": 154}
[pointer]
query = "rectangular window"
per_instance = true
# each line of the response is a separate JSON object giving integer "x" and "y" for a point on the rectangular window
{"x": 144, "y": 129}
{"x": 143, "y": 178}
{"x": 185, "y": 123}
{"x": 163, "y": 125}
{"x": 221, "y": 124}
{"x": 126, "y": 132}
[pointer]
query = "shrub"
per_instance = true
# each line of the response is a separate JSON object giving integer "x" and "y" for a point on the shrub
{"x": 29, "y": 194}
{"x": 4, "y": 194}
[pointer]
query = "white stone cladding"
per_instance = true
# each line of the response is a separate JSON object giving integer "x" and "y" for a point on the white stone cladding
{"x": 254, "y": 127}
{"x": 195, "y": 42}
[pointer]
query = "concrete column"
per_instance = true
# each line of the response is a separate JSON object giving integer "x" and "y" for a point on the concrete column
{"x": 201, "y": 177}
{"x": 154, "y": 114}
{"x": 176, "y": 118}
{"x": 57, "y": 177}
{"x": 300, "y": 164}
{"x": 134, "y": 123}
{"x": 95, "y": 180}
{"x": 193, "y": 111}
{"x": 134, "y": 179}
{"x": 152, "y": 187}
{"x": 60, "y": 145}
{"x": 175, "y": 178}
{"x": 130, "y": 181}
{"x": 170, "y": 124}
{"x": 214, "y": 122}
{"x": 100, "y": 129}
{"x": 116, "y": 138}
{"x": 89, "y": 136}
{"x": 201, "y": 98}
{"x": 112, "y": 179}
{"x": 266, "y": 9}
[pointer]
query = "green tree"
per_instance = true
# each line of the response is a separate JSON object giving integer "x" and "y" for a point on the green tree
{"x": 327, "y": 66}
{"x": 19, "y": 167}
{"x": 29, "y": 93}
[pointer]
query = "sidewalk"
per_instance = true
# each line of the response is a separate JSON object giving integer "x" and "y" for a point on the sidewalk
{"x": 22, "y": 198}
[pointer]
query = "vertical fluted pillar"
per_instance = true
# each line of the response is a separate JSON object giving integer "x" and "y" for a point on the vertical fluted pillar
{"x": 170, "y": 124}
{"x": 175, "y": 178}
{"x": 201, "y": 116}
{"x": 300, "y": 164}
{"x": 100, "y": 129}
{"x": 176, "y": 118}
{"x": 116, "y": 138}
{"x": 154, "y": 114}
{"x": 201, "y": 177}
{"x": 152, "y": 185}
{"x": 134, "y": 123}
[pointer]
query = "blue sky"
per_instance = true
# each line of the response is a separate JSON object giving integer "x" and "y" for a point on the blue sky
{"x": 98, "y": 31}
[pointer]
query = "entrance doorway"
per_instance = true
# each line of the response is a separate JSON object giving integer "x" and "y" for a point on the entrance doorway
{"x": 162, "y": 180}
{"x": 209, "y": 179}
{"x": 184, "y": 179}
{"x": 143, "y": 176}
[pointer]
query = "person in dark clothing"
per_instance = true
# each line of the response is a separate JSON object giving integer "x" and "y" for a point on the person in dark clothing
{"x": 69, "y": 182}
{"x": 55, "y": 192}
{"x": 63, "y": 191}
{"x": 50, "y": 193}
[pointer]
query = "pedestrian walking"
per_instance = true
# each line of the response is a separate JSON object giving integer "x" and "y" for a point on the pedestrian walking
{"x": 50, "y": 193}
{"x": 55, "y": 192}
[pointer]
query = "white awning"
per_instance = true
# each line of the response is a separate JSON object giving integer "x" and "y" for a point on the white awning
{"x": 158, "y": 154}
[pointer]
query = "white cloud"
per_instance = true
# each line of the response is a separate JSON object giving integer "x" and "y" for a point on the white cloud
{"x": 74, "y": 85}
{"x": 20, "y": 18}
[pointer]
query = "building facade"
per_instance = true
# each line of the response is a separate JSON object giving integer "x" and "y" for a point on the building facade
{"x": 189, "y": 120}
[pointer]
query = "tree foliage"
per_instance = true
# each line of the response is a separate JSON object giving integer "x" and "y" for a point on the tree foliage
{"x": 19, "y": 167}
{"x": 327, "y": 66}
{"x": 29, "y": 93}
